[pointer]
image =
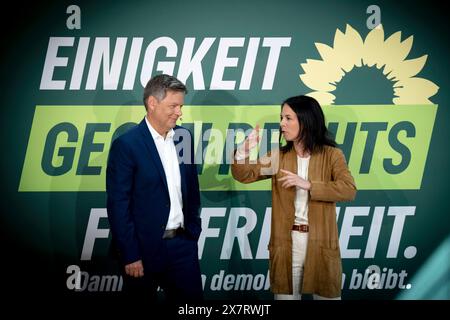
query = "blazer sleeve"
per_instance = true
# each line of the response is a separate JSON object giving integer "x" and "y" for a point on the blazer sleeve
{"x": 247, "y": 171}
{"x": 119, "y": 185}
{"x": 342, "y": 185}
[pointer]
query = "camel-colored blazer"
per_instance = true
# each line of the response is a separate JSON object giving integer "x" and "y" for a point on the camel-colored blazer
{"x": 331, "y": 181}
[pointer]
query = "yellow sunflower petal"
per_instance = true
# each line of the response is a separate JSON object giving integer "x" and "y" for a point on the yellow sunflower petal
{"x": 326, "y": 52}
{"x": 415, "y": 91}
{"x": 355, "y": 46}
{"x": 324, "y": 98}
{"x": 348, "y": 48}
{"x": 318, "y": 74}
{"x": 316, "y": 83}
{"x": 395, "y": 51}
{"x": 399, "y": 50}
{"x": 328, "y": 56}
{"x": 408, "y": 68}
{"x": 373, "y": 45}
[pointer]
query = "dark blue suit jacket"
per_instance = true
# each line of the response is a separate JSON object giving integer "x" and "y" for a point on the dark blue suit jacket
{"x": 138, "y": 202}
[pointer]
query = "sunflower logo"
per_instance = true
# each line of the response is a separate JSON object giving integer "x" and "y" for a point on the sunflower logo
{"x": 350, "y": 51}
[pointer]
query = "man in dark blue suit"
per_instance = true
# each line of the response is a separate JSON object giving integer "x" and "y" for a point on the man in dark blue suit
{"x": 154, "y": 200}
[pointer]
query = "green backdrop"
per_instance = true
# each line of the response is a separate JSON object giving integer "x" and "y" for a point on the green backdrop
{"x": 68, "y": 92}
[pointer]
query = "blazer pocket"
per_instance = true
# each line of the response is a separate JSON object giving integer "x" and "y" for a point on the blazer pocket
{"x": 279, "y": 268}
{"x": 331, "y": 253}
{"x": 330, "y": 273}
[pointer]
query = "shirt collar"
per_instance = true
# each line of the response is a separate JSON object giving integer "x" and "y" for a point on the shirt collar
{"x": 155, "y": 133}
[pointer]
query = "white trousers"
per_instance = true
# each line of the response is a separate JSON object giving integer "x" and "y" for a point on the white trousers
{"x": 299, "y": 245}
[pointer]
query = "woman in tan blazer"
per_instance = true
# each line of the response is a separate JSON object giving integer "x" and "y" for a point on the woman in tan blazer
{"x": 309, "y": 175}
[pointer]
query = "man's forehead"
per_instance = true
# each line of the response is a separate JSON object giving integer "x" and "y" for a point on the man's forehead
{"x": 174, "y": 96}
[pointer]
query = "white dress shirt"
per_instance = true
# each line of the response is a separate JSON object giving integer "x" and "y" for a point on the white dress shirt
{"x": 168, "y": 155}
{"x": 301, "y": 199}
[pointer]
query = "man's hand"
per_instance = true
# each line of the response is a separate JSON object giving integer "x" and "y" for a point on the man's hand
{"x": 135, "y": 269}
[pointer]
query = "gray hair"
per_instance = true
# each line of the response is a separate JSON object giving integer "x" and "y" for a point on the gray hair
{"x": 160, "y": 84}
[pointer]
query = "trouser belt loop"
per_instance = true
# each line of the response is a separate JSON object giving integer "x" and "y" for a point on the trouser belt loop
{"x": 172, "y": 233}
{"x": 300, "y": 227}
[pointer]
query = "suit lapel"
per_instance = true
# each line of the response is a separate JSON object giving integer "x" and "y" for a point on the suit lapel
{"x": 180, "y": 156}
{"x": 152, "y": 151}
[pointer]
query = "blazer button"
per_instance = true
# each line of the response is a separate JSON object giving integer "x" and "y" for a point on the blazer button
{"x": 163, "y": 227}
{"x": 167, "y": 205}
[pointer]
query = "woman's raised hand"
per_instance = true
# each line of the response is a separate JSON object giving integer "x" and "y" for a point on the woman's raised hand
{"x": 250, "y": 142}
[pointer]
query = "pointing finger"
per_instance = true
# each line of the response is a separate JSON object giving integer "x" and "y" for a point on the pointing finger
{"x": 286, "y": 171}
